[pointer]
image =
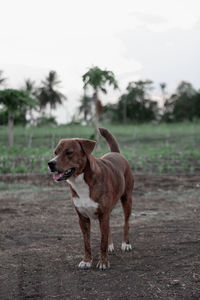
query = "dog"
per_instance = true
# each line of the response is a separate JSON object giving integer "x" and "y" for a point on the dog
{"x": 96, "y": 185}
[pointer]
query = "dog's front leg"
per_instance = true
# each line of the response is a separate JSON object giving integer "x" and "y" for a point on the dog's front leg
{"x": 84, "y": 222}
{"x": 104, "y": 228}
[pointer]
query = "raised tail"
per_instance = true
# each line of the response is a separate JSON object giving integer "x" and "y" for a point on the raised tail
{"x": 112, "y": 143}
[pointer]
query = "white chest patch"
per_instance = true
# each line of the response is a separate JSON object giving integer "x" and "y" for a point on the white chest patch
{"x": 85, "y": 205}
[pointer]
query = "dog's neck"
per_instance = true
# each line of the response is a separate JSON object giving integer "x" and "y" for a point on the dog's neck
{"x": 91, "y": 165}
{"x": 90, "y": 171}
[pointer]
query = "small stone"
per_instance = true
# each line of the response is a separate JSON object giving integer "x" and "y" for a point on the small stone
{"x": 175, "y": 282}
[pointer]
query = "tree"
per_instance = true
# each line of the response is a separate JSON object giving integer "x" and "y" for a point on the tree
{"x": 163, "y": 86}
{"x": 15, "y": 101}
{"x": 97, "y": 79}
{"x": 85, "y": 107}
{"x": 48, "y": 93}
{"x": 2, "y": 79}
{"x": 135, "y": 104}
{"x": 140, "y": 88}
{"x": 124, "y": 100}
{"x": 195, "y": 109}
{"x": 183, "y": 104}
{"x": 110, "y": 113}
{"x": 185, "y": 89}
{"x": 29, "y": 87}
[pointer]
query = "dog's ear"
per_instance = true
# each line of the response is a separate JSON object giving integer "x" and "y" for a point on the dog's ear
{"x": 87, "y": 145}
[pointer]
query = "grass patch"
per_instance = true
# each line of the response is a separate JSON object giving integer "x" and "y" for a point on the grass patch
{"x": 158, "y": 149}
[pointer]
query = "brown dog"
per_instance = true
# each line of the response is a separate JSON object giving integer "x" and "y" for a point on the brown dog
{"x": 96, "y": 185}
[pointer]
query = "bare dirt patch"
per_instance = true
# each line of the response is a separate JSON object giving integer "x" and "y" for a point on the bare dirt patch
{"x": 41, "y": 243}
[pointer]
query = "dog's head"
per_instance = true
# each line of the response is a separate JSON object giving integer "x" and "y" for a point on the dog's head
{"x": 71, "y": 156}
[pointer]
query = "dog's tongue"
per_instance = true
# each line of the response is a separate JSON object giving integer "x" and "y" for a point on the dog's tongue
{"x": 58, "y": 176}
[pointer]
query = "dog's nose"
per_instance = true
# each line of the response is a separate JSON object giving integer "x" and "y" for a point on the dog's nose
{"x": 52, "y": 165}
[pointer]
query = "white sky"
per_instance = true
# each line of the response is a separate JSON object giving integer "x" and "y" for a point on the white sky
{"x": 154, "y": 39}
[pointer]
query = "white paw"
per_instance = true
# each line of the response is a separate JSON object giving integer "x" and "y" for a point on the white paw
{"x": 111, "y": 248}
{"x": 126, "y": 247}
{"x": 85, "y": 264}
{"x": 102, "y": 266}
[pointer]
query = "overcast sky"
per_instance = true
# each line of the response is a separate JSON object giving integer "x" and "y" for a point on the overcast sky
{"x": 146, "y": 39}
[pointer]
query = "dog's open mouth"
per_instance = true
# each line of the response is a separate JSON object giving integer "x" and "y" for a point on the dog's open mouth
{"x": 64, "y": 175}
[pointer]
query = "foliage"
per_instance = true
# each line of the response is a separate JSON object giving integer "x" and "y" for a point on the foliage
{"x": 2, "y": 79}
{"x": 85, "y": 108}
{"x": 20, "y": 113}
{"x": 163, "y": 86}
{"x": 20, "y": 117}
{"x": 97, "y": 79}
{"x": 111, "y": 114}
{"x": 30, "y": 87}
{"x": 16, "y": 101}
{"x": 3, "y": 117}
{"x": 48, "y": 93}
{"x": 135, "y": 105}
{"x": 184, "y": 104}
{"x": 44, "y": 121}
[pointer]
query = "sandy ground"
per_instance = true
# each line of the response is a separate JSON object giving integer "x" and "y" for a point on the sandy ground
{"x": 41, "y": 243}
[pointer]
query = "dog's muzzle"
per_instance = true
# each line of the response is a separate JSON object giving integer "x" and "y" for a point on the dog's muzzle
{"x": 59, "y": 175}
{"x": 52, "y": 165}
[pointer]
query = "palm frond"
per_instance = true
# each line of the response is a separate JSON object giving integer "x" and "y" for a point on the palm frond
{"x": 48, "y": 94}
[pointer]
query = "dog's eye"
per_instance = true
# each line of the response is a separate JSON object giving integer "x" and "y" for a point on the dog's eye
{"x": 69, "y": 152}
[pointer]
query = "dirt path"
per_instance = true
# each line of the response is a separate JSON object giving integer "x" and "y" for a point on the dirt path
{"x": 41, "y": 244}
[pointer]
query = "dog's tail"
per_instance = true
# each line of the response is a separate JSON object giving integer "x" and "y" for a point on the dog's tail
{"x": 110, "y": 140}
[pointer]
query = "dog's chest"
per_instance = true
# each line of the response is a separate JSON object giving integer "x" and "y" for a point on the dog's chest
{"x": 85, "y": 205}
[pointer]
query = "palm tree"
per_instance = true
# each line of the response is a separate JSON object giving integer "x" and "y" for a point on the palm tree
{"x": 98, "y": 79}
{"x": 29, "y": 87}
{"x": 2, "y": 79}
{"x": 85, "y": 107}
{"x": 48, "y": 92}
{"x": 163, "y": 86}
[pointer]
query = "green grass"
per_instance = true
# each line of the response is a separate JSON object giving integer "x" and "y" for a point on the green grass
{"x": 150, "y": 148}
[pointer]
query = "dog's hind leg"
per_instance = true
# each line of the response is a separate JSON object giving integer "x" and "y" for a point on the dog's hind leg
{"x": 110, "y": 242}
{"x": 126, "y": 201}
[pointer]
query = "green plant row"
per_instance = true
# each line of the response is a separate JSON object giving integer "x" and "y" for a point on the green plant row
{"x": 158, "y": 149}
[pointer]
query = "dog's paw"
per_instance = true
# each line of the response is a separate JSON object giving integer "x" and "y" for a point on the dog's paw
{"x": 103, "y": 266}
{"x": 85, "y": 265}
{"x": 111, "y": 248}
{"x": 126, "y": 247}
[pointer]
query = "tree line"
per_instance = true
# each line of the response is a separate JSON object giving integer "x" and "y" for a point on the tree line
{"x": 18, "y": 104}
{"x": 135, "y": 105}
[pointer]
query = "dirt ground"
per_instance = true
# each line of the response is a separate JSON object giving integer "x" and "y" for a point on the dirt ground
{"x": 41, "y": 243}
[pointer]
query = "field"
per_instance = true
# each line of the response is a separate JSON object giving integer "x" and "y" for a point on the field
{"x": 40, "y": 239}
{"x": 150, "y": 149}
